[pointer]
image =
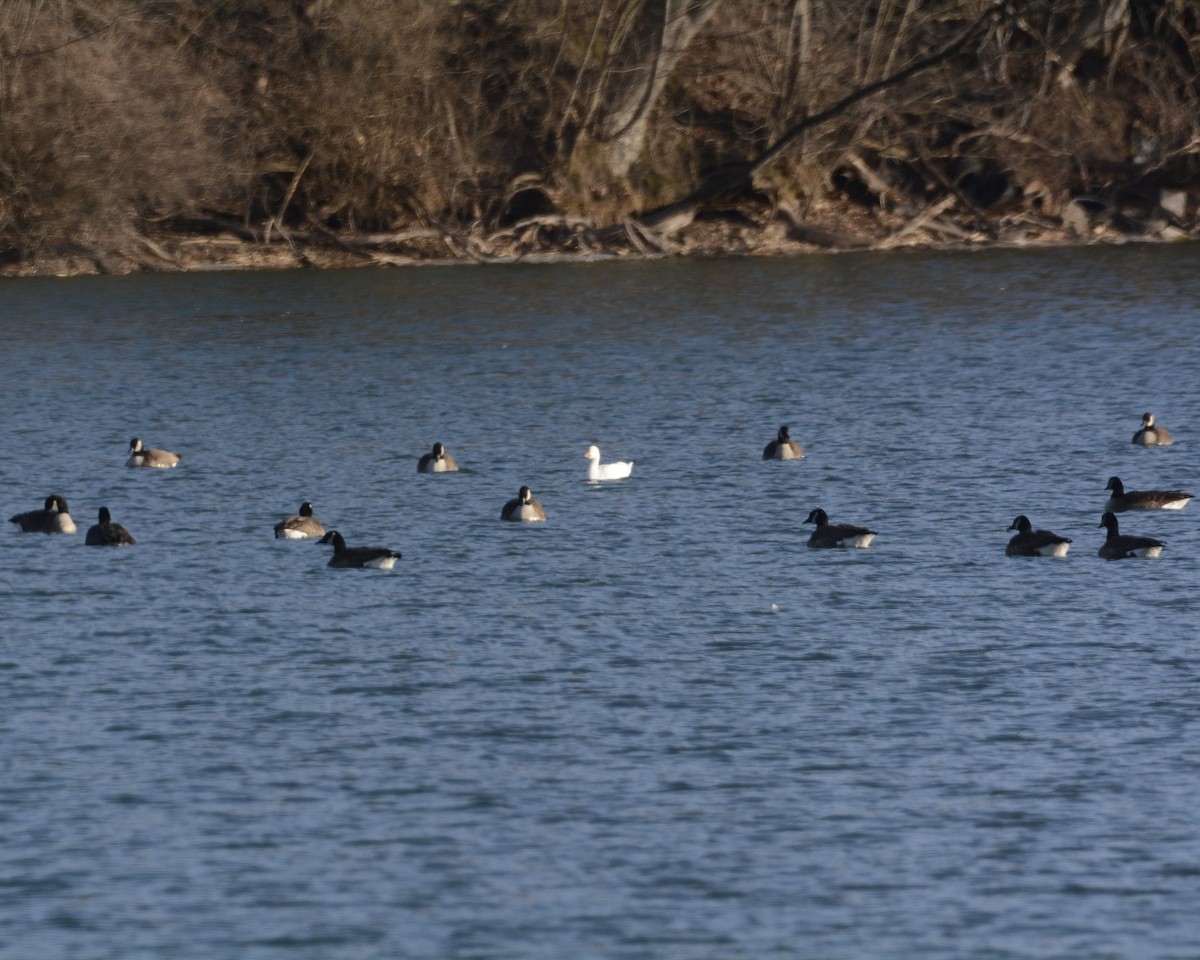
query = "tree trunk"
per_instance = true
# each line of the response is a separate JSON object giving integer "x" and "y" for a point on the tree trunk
{"x": 638, "y": 69}
{"x": 1101, "y": 26}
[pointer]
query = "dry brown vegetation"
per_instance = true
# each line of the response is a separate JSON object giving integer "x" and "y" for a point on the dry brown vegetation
{"x": 339, "y": 130}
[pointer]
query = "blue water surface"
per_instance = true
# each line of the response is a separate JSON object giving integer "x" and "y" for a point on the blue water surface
{"x": 657, "y": 726}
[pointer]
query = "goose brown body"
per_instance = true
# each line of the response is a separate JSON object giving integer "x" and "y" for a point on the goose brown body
{"x": 783, "y": 447}
{"x": 837, "y": 534}
{"x": 344, "y": 557}
{"x": 54, "y": 517}
{"x": 1152, "y": 435}
{"x": 1122, "y": 499}
{"x": 437, "y": 461}
{"x": 1119, "y": 546}
{"x": 523, "y": 508}
{"x": 105, "y": 533}
{"x": 301, "y": 525}
{"x": 1035, "y": 543}
{"x": 143, "y": 456}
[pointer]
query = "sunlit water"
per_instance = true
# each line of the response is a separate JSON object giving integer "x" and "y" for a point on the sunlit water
{"x": 657, "y": 726}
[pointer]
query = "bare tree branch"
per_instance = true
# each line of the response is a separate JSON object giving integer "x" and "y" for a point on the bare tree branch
{"x": 728, "y": 180}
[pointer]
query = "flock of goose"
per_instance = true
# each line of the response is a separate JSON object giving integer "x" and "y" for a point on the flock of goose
{"x": 55, "y": 517}
{"x": 1026, "y": 542}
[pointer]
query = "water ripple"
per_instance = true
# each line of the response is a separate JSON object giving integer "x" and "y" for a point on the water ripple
{"x": 659, "y": 725}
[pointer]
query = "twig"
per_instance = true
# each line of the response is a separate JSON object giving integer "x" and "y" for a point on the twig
{"x": 930, "y": 213}
{"x": 743, "y": 174}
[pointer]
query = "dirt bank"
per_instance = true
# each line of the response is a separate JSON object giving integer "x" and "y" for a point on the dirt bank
{"x": 743, "y": 231}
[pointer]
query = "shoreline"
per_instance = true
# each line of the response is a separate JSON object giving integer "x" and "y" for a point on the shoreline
{"x": 737, "y": 233}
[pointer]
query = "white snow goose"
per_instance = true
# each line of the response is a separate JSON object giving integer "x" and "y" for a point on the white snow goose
{"x": 617, "y": 470}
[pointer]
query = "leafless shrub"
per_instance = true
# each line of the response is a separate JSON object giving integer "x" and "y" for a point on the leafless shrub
{"x": 102, "y": 127}
{"x": 332, "y": 116}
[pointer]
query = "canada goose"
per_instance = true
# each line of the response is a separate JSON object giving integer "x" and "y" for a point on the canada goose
{"x": 1151, "y": 436}
{"x": 617, "y": 470}
{"x": 141, "y": 456}
{"x": 1035, "y": 543}
{"x": 52, "y": 518}
{"x": 300, "y": 526}
{"x": 783, "y": 447}
{"x": 378, "y": 558}
{"x": 108, "y": 534}
{"x": 1117, "y": 546}
{"x": 439, "y": 461}
{"x": 523, "y": 508}
{"x": 1121, "y": 500}
{"x": 837, "y": 534}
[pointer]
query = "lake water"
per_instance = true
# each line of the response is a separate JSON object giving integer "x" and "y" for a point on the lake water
{"x": 656, "y": 726}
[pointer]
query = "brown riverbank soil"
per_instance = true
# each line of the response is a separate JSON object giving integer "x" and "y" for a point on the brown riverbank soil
{"x": 744, "y": 231}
